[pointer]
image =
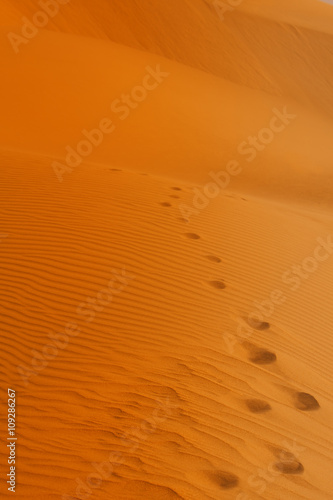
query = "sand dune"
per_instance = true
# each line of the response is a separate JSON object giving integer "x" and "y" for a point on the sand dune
{"x": 247, "y": 44}
{"x": 190, "y": 108}
{"x": 164, "y": 338}
{"x": 166, "y": 250}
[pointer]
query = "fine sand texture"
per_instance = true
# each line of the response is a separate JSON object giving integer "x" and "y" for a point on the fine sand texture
{"x": 166, "y": 250}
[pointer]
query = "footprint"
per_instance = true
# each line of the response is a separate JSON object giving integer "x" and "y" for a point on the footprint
{"x": 174, "y": 196}
{"x": 257, "y": 325}
{"x": 212, "y": 258}
{"x": 257, "y": 405}
{"x": 115, "y": 169}
{"x": 166, "y": 204}
{"x": 176, "y": 189}
{"x": 287, "y": 463}
{"x": 227, "y": 480}
{"x": 219, "y": 285}
{"x": 306, "y": 402}
{"x": 224, "y": 479}
{"x": 182, "y": 219}
{"x": 192, "y": 236}
{"x": 262, "y": 357}
{"x": 289, "y": 467}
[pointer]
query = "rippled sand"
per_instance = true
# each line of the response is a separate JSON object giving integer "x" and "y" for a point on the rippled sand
{"x": 166, "y": 249}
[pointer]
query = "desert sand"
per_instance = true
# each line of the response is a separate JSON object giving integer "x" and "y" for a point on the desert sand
{"x": 166, "y": 249}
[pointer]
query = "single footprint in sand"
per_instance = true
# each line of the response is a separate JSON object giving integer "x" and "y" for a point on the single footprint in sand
{"x": 287, "y": 462}
{"x": 219, "y": 285}
{"x": 165, "y": 204}
{"x": 115, "y": 169}
{"x": 176, "y": 188}
{"x": 258, "y": 405}
{"x": 192, "y": 236}
{"x": 306, "y": 402}
{"x": 212, "y": 258}
{"x": 257, "y": 325}
{"x": 291, "y": 466}
{"x": 227, "y": 480}
{"x": 262, "y": 357}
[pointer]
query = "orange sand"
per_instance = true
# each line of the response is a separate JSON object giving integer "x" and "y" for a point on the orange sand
{"x": 166, "y": 287}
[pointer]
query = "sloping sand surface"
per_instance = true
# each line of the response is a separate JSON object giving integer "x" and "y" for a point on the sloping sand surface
{"x": 283, "y": 47}
{"x": 166, "y": 294}
{"x": 190, "y": 120}
{"x": 164, "y": 338}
